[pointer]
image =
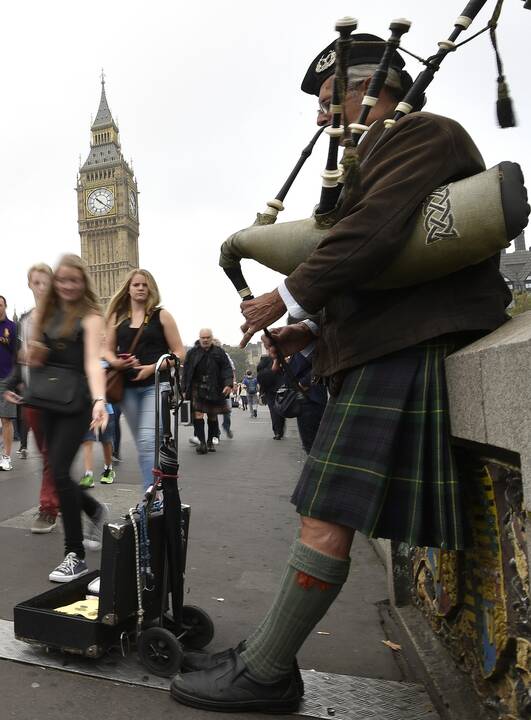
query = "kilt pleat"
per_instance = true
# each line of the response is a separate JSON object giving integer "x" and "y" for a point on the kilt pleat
{"x": 382, "y": 461}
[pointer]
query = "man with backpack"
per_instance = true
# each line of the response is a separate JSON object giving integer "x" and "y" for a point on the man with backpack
{"x": 250, "y": 382}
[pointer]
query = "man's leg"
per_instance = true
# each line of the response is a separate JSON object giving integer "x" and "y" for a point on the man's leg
{"x": 317, "y": 568}
{"x": 261, "y": 675}
{"x": 199, "y": 432}
{"x": 49, "y": 500}
{"x": 7, "y": 436}
{"x": 213, "y": 431}
{"x": 23, "y": 432}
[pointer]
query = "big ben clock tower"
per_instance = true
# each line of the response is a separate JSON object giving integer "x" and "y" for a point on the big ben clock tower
{"x": 107, "y": 206}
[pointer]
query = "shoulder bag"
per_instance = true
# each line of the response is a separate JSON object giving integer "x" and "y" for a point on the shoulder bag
{"x": 57, "y": 388}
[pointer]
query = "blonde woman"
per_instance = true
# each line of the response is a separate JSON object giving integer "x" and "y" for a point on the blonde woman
{"x": 136, "y": 305}
{"x": 67, "y": 331}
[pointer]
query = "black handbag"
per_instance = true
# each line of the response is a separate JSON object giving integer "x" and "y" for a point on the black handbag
{"x": 59, "y": 389}
{"x": 288, "y": 401}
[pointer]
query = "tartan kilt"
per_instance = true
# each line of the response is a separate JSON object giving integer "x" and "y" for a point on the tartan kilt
{"x": 205, "y": 406}
{"x": 382, "y": 462}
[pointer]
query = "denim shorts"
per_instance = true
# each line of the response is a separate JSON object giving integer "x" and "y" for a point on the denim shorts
{"x": 104, "y": 436}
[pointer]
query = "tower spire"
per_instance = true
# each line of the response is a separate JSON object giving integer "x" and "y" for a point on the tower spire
{"x": 103, "y": 116}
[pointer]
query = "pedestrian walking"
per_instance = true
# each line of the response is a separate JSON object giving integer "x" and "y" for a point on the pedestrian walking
{"x": 136, "y": 319}
{"x": 242, "y": 394}
{"x": 66, "y": 336}
{"x": 106, "y": 438}
{"x": 8, "y": 411}
{"x": 39, "y": 281}
{"x": 207, "y": 382}
{"x": 250, "y": 383}
{"x": 269, "y": 381}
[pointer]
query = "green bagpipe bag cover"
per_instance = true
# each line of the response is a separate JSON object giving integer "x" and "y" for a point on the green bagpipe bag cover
{"x": 459, "y": 224}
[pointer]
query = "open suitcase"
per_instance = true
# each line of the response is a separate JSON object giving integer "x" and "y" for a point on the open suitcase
{"x": 143, "y": 559}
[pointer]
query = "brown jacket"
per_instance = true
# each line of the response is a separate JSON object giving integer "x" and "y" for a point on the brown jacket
{"x": 420, "y": 153}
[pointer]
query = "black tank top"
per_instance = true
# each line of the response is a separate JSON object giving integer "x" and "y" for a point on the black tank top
{"x": 151, "y": 345}
{"x": 66, "y": 351}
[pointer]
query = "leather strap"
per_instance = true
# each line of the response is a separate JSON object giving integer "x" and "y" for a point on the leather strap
{"x": 138, "y": 334}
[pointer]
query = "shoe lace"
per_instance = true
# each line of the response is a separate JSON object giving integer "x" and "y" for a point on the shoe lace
{"x": 69, "y": 563}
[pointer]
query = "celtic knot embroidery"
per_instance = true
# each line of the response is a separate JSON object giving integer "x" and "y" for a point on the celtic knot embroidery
{"x": 438, "y": 217}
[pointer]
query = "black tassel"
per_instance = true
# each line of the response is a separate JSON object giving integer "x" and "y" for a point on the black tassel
{"x": 504, "y": 106}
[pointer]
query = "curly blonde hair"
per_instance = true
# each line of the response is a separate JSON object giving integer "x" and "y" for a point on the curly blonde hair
{"x": 86, "y": 305}
{"x": 120, "y": 303}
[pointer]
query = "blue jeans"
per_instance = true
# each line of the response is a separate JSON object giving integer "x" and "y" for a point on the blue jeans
{"x": 138, "y": 406}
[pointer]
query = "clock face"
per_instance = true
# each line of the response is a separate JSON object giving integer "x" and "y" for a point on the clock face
{"x": 132, "y": 203}
{"x": 100, "y": 201}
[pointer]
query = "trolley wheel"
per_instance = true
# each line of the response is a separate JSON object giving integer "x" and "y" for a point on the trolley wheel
{"x": 160, "y": 651}
{"x": 198, "y": 628}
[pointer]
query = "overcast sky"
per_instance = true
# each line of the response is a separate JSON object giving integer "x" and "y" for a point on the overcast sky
{"x": 206, "y": 96}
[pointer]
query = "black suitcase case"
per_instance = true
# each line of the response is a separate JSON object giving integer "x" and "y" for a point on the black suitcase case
{"x": 35, "y": 620}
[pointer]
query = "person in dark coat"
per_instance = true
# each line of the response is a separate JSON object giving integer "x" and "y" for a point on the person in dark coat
{"x": 382, "y": 462}
{"x": 207, "y": 382}
{"x": 269, "y": 382}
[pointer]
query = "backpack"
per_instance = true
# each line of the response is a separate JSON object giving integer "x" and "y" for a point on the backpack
{"x": 252, "y": 385}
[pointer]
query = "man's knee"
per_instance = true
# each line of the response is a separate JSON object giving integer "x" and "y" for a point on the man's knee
{"x": 326, "y": 537}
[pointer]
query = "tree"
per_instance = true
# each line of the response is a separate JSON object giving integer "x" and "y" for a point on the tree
{"x": 239, "y": 358}
{"x": 521, "y": 303}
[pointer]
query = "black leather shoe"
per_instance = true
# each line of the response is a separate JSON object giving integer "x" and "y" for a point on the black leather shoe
{"x": 195, "y": 661}
{"x": 202, "y": 449}
{"x": 230, "y": 687}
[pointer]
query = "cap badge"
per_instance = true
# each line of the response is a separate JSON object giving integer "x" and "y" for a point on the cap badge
{"x": 326, "y": 61}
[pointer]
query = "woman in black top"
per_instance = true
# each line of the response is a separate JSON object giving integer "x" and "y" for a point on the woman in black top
{"x": 136, "y": 304}
{"x": 67, "y": 331}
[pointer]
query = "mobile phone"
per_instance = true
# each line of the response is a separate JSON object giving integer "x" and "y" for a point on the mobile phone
{"x": 124, "y": 356}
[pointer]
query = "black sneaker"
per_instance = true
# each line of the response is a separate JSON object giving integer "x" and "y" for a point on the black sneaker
{"x": 71, "y": 568}
{"x": 230, "y": 687}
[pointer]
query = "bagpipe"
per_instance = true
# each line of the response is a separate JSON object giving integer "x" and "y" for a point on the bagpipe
{"x": 459, "y": 224}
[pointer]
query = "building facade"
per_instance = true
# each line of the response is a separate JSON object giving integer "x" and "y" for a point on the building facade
{"x": 516, "y": 266}
{"x": 107, "y": 202}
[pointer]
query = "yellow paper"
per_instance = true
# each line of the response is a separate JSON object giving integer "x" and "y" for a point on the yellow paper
{"x": 87, "y": 608}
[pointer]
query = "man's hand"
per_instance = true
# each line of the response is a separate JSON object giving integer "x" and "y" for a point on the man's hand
{"x": 260, "y": 313}
{"x": 289, "y": 339}
{"x": 227, "y": 390}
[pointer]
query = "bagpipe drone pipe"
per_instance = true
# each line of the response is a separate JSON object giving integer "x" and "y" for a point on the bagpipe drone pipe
{"x": 459, "y": 224}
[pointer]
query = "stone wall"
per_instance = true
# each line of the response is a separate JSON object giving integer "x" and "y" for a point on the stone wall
{"x": 478, "y": 601}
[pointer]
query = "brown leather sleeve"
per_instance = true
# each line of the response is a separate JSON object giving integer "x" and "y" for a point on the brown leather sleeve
{"x": 420, "y": 153}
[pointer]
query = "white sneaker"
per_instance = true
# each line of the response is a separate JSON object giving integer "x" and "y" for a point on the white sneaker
{"x": 94, "y": 587}
{"x": 71, "y": 568}
{"x": 5, "y": 463}
{"x": 93, "y": 535}
{"x": 194, "y": 440}
{"x": 215, "y": 441}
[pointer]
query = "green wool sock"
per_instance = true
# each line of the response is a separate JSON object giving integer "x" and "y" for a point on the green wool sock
{"x": 310, "y": 584}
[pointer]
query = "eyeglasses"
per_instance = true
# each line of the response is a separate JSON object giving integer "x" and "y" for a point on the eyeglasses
{"x": 324, "y": 107}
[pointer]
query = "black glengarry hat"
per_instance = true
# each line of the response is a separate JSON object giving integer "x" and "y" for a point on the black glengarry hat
{"x": 365, "y": 49}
